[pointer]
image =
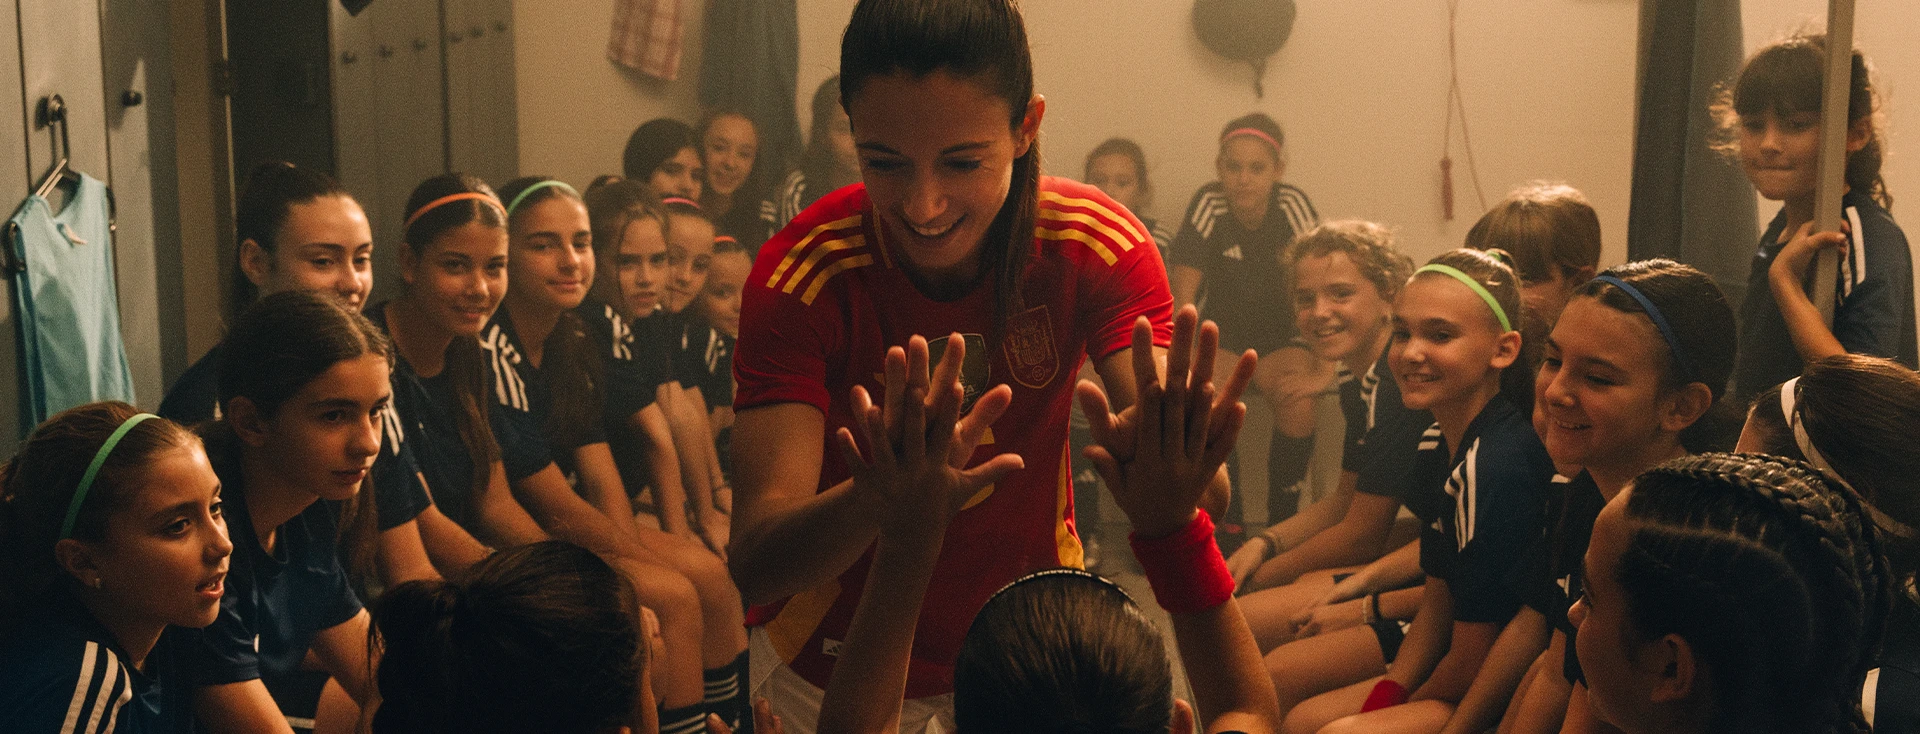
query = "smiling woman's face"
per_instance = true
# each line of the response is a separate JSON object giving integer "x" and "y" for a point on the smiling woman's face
{"x": 937, "y": 153}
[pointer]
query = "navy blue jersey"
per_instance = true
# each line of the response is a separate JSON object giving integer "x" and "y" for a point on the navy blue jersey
{"x": 636, "y": 363}
{"x": 1384, "y": 454}
{"x": 1873, "y": 314}
{"x": 427, "y": 407}
{"x": 1896, "y": 707}
{"x": 275, "y": 602}
{"x": 697, "y": 349}
{"x": 1491, "y": 509}
{"x": 520, "y": 386}
{"x": 397, "y": 493}
{"x": 1548, "y": 577}
{"x": 1240, "y": 268}
{"x": 65, "y": 673}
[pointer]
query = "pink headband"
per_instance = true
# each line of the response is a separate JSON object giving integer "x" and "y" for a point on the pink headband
{"x": 1251, "y": 132}
{"x": 680, "y": 200}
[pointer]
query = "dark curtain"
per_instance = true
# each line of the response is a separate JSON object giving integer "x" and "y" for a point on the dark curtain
{"x": 1690, "y": 203}
{"x": 750, "y": 62}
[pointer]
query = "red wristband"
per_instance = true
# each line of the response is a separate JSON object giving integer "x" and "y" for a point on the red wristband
{"x": 1385, "y": 694}
{"x": 1185, "y": 569}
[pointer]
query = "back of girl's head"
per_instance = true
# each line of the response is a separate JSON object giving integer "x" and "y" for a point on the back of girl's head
{"x": 266, "y": 203}
{"x": 1122, "y": 147}
{"x": 284, "y": 341}
{"x": 1773, "y": 578}
{"x": 1859, "y": 412}
{"x": 1062, "y": 650}
{"x": 423, "y": 226}
{"x": 37, "y": 486}
{"x": 1702, "y": 323}
{"x": 542, "y": 637}
{"x": 653, "y": 143}
{"x": 520, "y": 194}
{"x": 1787, "y": 78}
{"x": 1261, "y": 122}
{"x": 1550, "y": 230}
{"x": 1493, "y": 270}
{"x": 1369, "y": 246}
{"x": 984, "y": 41}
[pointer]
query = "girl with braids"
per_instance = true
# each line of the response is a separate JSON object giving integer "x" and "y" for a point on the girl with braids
{"x": 545, "y": 365}
{"x": 487, "y": 462}
{"x": 542, "y": 637}
{"x": 1061, "y": 649}
{"x": 1853, "y": 417}
{"x": 955, "y": 235}
{"x": 1771, "y": 119}
{"x": 304, "y": 385}
{"x": 1731, "y": 593}
{"x": 1632, "y": 376}
{"x": 112, "y": 545}
{"x": 1484, "y": 475}
{"x": 664, "y": 155}
{"x": 828, "y": 164}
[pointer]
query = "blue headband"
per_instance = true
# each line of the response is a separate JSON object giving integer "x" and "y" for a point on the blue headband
{"x": 1659, "y": 322}
{"x": 93, "y": 470}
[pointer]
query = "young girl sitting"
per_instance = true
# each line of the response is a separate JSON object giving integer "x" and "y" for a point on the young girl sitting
{"x": 1731, "y": 592}
{"x": 828, "y": 164}
{"x": 112, "y": 545}
{"x": 719, "y": 306}
{"x": 1118, "y": 167}
{"x": 1773, "y": 118}
{"x": 1853, "y": 417}
{"x": 1455, "y": 352}
{"x": 304, "y": 388}
{"x": 664, "y": 155}
{"x": 1554, "y": 237}
{"x": 545, "y": 366}
{"x": 1226, "y": 260}
{"x": 1631, "y": 377}
{"x": 730, "y": 151}
{"x": 1345, "y": 276}
{"x": 542, "y": 637}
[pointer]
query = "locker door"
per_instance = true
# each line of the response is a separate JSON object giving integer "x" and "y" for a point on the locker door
{"x": 15, "y": 182}
{"x": 356, "y": 61}
{"x": 139, "y": 115}
{"x": 502, "y": 104}
{"x": 466, "y": 67}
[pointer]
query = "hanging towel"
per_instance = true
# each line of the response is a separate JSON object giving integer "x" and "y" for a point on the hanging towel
{"x": 69, "y": 313}
{"x": 646, "y": 37}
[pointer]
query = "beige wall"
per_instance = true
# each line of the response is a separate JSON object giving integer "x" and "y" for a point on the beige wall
{"x": 576, "y": 107}
{"x": 1360, "y": 89}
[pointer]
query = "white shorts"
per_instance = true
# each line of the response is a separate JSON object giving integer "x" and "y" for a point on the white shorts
{"x": 797, "y": 702}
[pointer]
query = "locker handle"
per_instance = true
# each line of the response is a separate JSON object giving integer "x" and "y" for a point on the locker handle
{"x": 348, "y": 57}
{"x": 419, "y": 44}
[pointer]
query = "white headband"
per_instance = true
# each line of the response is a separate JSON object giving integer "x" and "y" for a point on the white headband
{"x": 1789, "y": 396}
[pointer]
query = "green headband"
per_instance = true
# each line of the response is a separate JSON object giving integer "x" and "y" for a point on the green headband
{"x": 538, "y": 185}
{"x": 1493, "y": 303}
{"x": 93, "y": 470}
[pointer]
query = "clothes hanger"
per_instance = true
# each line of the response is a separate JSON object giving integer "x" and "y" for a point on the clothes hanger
{"x": 53, "y": 111}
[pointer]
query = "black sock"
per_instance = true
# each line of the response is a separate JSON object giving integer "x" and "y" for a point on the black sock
{"x": 684, "y": 720}
{"x": 726, "y": 694}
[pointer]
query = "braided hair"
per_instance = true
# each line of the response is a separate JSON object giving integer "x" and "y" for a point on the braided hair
{"x": 1775, "y": 579}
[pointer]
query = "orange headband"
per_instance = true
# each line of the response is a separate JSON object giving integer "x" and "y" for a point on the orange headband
{"x": 680, "y": 200}
{"x": 1251, "y": 132}
{"x": 450, "y": 198}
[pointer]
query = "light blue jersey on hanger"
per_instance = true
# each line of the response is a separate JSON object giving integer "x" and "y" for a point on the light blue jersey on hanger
{"x": 69, "y": 309}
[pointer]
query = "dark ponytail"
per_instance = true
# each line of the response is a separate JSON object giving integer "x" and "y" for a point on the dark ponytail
{"x": 1702, "y": 323}
{"x": 37, "y": 486}
{"x": 1062, "y": 651}
{"x": 981, "y": 40}
{"x": 542, "y": 637}
{"x": 266, "y": 203}
{"x": 653, "y": 143}
{"x": 465, "y": 366}
{"x": 1772, "y": 576}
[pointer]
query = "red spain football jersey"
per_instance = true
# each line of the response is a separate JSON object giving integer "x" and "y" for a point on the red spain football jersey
{"x": 827, "y": 299}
